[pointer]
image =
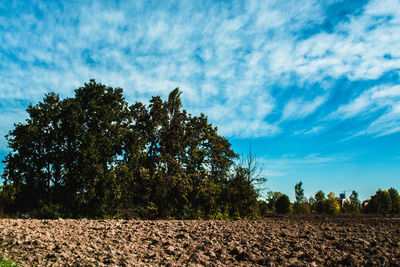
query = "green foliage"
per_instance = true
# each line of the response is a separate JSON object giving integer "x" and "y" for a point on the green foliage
{"x": 319, "y": 202}
{"x": 6, "y": 263}
{"x": 283, "y": 204}
{"x": 241, "y": 195}
{"x": 327, "y": 205}
{"x": 272, "y": 198}
{"x": 395, "y": 198}
{"x": 95, "y": 156}
{"x": 353, "y": 205}
{"x": 8, "y": 198}
{"x": 332, "y": 204}
{"x": 49, "y": 211}
{"x": 380, "y": 203}
{"x": 262, "y": 207}
{"x": 300, "y": 206}
{"x": 299, "y": 193}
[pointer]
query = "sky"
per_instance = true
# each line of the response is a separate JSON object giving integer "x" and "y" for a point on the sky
{"x": 312, "y": 87}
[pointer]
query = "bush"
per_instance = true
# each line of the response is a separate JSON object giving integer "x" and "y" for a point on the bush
{"x": 394, "y": 196}
{"x": 6, "y": 263}
{"x": 301, "y": 208}
{"x": 352, "y": 205}
{"x": 49, "y": 211}
{"x": 332, "y": 204}
{"x": 272, "y": 197}
{"x": 380, "y": 203}
{"x": 319, "y": 203}
{"x": 8, "y": 198}
{"x": 262, "y": 208}
{"x": 283, "y": 204}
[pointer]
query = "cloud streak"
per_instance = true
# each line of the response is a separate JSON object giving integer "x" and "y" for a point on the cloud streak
{"x": 385, "y": 99}
{"x": 285, "y": 165}
{"x": 250, "y": 66}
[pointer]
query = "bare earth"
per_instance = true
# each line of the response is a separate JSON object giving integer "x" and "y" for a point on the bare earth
{"x": 273, "y": 241}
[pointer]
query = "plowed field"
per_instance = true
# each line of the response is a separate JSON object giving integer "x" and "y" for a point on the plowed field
{"x": 273, "y": 241}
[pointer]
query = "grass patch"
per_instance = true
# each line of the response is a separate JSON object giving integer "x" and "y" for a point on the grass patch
{"x": 6, "y": 263}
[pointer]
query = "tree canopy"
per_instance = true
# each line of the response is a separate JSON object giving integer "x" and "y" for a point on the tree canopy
{"x": 94, "y": 155}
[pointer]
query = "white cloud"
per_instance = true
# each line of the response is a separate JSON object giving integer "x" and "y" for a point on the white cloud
{"x": 355, "y": 49}
{"x": 388, "y": 123}
{"x": 313, "y": 130}
{"x": 245, "y": 128}
{"x": 385, "y": 99}
{"x": 243, "y": 115}
{"x": 7, "y": 120}
{"x": 225, "y": 60}
{"x": 378, "y": 97}
{"x": 354, "y": 108}
{"x": 299, "y": 108}
{"x": 286, "y": 164}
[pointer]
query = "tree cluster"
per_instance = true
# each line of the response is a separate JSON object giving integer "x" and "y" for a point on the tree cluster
{"x": 383, "y": 202}
{"x": 95, "y": 156}
{"x": 327, "y": 205}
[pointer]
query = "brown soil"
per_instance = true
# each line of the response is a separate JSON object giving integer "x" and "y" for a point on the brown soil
{"x": 273, "y": 241}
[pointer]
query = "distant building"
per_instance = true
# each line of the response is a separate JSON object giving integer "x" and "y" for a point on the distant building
{"x": 343, "y": 199}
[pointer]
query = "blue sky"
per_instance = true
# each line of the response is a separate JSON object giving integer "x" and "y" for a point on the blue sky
{"x": 312, "y": 86}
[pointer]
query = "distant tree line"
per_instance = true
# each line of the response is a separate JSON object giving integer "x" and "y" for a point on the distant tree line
{"x": 95, "y": 156}
{"x": 383, "y": 203}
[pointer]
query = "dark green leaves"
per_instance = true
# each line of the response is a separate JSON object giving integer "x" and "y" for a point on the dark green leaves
{"x": 94, "y": 156}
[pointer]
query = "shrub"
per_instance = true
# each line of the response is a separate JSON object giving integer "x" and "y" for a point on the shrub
{"x": 49, "y": 211}
{"x": 319, "y": 204}
{"x": 283, "y": 204}
{"x": 394, "y": 196}
{"x": 380, "y": 203}
{"x": 262, "y": 208}
{"x": 332, "y": 204}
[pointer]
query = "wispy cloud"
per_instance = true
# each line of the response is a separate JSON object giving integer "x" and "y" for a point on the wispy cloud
{"x": 287, "y": 164}
{"x": 298, "y": 108}
{"x": 291, "y": 76}
{"x": 382, "y": 99}
{"x": 246, "y": 65}
{"x": 313, "y": 130}
{"x": 12, "y": 111}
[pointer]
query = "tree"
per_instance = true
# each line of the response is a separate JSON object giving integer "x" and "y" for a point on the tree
{"x": 66, "y": 151}
{"x": 354, "y": 205}
{"x": 253, "y": 170}
{"x": 283, "y": 204}
{"x": 332, "y": 204}
{"x": 242, "y": 192}
{"x": 299, "y": 193}
{"x": 320, "y": 200}
{"x": 188, "y": 161}
{"x": 8, "y": 198}
{"x": 272, "y": 198}
{"x": 263, "y": 207}
{"x": 394, "y": 196}
{"x": 380, "y": 203}
{"x": 33, "y": 166}
{"x": 102, "y": 115}
{"x": 242, "y": 195}
{"x": 355, "y": 202}
{"x": 351, "y": 205}
{"x": 94, "y": 156}
{"x": 301, "y": 201}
